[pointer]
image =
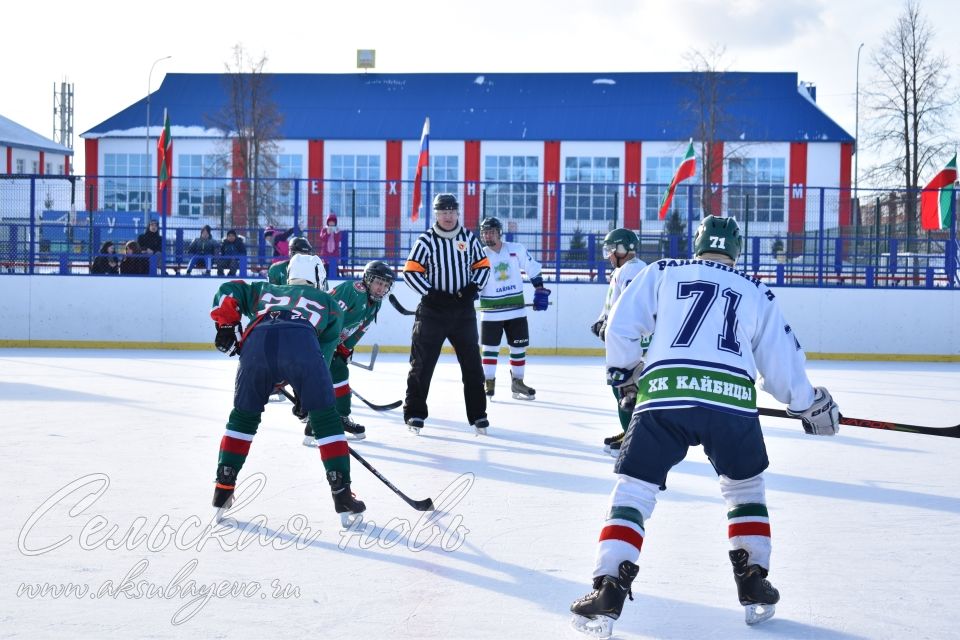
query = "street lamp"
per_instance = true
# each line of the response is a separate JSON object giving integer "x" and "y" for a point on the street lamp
{"x": 856, "y": 131}
{"x": 149, "y": 76}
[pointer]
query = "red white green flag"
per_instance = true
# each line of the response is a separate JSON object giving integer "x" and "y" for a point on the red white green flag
{"x": 936, "y": 197}
{"x": 165, "y": 152}
{"x": 687, "y": 169}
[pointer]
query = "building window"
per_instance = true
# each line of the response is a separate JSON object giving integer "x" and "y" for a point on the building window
{"x": 48, "y": 167}
{"x": 658, "y": 172}
{"x": 355, "y": 178}
{"x": 21, "y": 166}
{"x": 126, "y": 186}
{"x": 756, "y": 189}
{"x": 36, "y": 167}
{"x": 590, "y": 188}
{"x": 289, "y": 172}
{"x": 444, "y": 176}
{"x": 200, "y": 185}
{"x": 511, "y": 188}
{"x": 60, "y": 170}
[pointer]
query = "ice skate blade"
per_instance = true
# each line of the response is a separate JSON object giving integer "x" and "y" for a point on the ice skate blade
{"x": 757, "y": 613}
{"x": 354, "y": 436}
{"x": 414, "y": 430}
{"x": 481, "y": 431}
{"x": 349, "y": 519}
{"x": 613, "y": 453}
{"x": 521, "y": 396}
{"x": 600, "y": 627}
{"x": 309, "y": 441}
{"x": 277, "y": 398}
{"x": 221, "y": 511}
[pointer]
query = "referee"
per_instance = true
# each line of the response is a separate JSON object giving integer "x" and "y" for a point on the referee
{"x": 448, "y": 267}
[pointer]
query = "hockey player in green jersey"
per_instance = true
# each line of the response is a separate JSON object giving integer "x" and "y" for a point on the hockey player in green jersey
{"x": 293, "y": 331}
{"x": 277, "y": 274}
{"x": 359, "y": 303}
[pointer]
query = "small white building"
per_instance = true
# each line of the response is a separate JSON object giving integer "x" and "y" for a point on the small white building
{"x": 26, "y": 152}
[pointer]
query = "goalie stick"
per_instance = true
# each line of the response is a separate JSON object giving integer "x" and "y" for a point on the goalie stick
{"x": 948, "y": 432}
{"x": 420, "y": 505}
{"x": 407, "y": 312}
{"x": 374, "y": 350}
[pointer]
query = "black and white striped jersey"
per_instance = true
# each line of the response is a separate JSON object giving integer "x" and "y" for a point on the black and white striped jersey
{"x": 446, "y": 261}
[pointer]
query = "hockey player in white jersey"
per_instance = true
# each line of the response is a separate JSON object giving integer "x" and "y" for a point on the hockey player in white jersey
{"x": 714, "y": 328}
{"x": 502, "y": 307}
{"x": 620, "y": 248}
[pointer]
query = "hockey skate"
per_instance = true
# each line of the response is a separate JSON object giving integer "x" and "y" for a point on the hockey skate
{"x": 481, "y": 425}
{"x": 344, "y": 501}
{"x": 414, "y": 425}
{"x": 756, "y": 594}
{"x": 308, "y": 439}
{"x": 490, "y": 385}
{"x": 594, "y": 613}
{"x": 612, "y": 444}
{"x": 223, "y": 490}
{"x": 353, "y": 430}
{"x": 521, "y": 391}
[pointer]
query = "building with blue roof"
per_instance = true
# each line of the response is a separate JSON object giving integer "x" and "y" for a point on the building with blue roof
{"x": 537, "y": 150}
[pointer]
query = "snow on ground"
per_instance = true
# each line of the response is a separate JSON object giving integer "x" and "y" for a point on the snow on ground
{"x": 109, "y": 456}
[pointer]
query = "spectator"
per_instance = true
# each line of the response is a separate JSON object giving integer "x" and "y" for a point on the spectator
{"x": 107, "y": 262}
{"x": 278, "y": 240}
{"x": 202, "y": 250}
{"x": 134, "y": 262}
{"x": 231, "y": 249}
{"x": 151, "y": 242}
{"x": 328, "y": 243}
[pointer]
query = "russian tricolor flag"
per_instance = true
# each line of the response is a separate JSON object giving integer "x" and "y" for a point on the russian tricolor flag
{"x": 422, "y": 163}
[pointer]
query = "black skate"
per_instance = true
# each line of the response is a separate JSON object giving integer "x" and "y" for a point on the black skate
{"x": 223, "y": 490}
{"x": 612, "y": 444}
{"x": 756, "y": 594}
{"x": 414, "y": 425}
{"x": 308, "y": 439}
{"x": 521, "y": 391}
{"x": 346, "y": 504}
{"x": 490, "y": 385}
{"x": 594, "y": 613}
{"x": 481, "y": 425}
{"x": 358, "y": 431}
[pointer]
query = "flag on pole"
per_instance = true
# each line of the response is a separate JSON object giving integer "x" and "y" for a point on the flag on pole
{"x": 165, "y": 153}
{"x": 423, "y": 162}
{"x": 687, "y": 169}
{"x": 936, "y": 197}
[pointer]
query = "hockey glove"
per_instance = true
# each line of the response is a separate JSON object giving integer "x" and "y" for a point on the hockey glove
{"x": 599, "y": 329}
{"x": 628, "y": 397}
{"x": 822, "y": 418}
{"x": 298, "y": 411}
{"x": 540, "y": 299}
{"x": 227, "y": 336}
{"x": 469, "y": 293}
{"x": 344, "y": 353}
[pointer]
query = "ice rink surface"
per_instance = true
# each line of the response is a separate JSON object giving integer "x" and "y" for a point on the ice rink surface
{"x": 106, "y": 530}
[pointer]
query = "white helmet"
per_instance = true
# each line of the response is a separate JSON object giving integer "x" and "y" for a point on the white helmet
{"x": 306, "y": 268}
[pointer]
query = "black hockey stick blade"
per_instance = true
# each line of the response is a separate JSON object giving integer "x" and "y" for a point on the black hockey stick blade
{"x": 399, "y": 307}
{"x": 503, "y": 307}
{"x": 376, "y": 407}
{"x": 373, "y": 358}
{"x": 420, "y": 505}
{"x": 948, "y": 432}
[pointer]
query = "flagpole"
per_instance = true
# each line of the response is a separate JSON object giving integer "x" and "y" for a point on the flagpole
{"x": 149, "y": 170}
{"x": 953, "y": 240}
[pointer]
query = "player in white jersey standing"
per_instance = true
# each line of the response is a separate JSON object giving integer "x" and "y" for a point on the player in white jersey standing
{"x": 714, "y": 328}
{"x": 502, "y": 307}
{"x": 620, "y": 248}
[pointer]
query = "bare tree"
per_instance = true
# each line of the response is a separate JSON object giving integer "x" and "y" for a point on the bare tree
{"x": 909, "y": 105}
{"x": 709, "y": 116}
{"x": 251, "y": 121}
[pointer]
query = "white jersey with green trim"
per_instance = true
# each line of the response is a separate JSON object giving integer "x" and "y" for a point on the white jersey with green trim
{"x": 619, "y": 279}
{"x": 713, "y": 329}
{"x": 504, "y": 288}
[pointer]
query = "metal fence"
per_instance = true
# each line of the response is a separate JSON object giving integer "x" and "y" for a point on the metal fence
{"x": 807, "y": 237}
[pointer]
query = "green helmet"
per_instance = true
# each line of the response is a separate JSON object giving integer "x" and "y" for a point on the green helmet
{"x": 718, "y": 235}
{"x": 621, "y": 242}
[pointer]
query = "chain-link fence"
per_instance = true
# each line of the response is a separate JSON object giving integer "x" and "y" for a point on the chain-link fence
{"x": 793, "y": 236}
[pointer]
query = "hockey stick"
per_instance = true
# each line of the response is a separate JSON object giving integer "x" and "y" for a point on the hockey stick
{"x": 949, "y": 432}
{"x": 420, "y": 505}
{"x": 373, "y": 357}
{"x": 376, "y": 407}
{"x": 501, "y": 307}
{"x": 399, "y": 307}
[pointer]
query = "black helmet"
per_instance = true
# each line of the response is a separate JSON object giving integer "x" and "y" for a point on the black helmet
{"x": 300, "y": 245}
{"x": 718, "y": 235}
{"x": 378, "y": 269}
{"x": 445, "y": 202}
{"x": 491, "y": 223}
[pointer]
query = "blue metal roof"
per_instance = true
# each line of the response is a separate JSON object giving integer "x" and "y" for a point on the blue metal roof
{"x": 17, "y": 135}
{"x": 764, "y": 107}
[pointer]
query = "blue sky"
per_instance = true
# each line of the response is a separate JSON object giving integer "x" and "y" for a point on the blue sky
{"x": 107, "y": 53}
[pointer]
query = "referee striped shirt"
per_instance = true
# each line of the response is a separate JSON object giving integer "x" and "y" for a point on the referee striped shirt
{"x": 446, "y": 261}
